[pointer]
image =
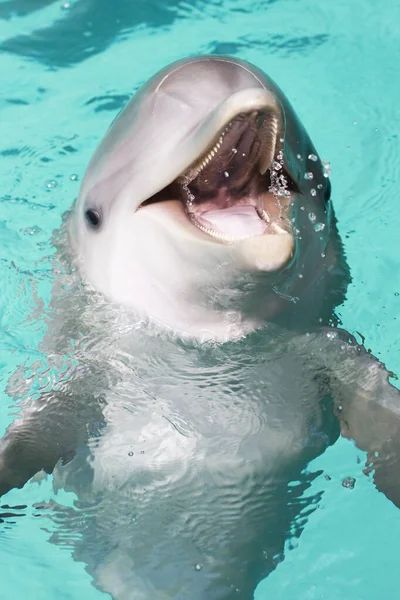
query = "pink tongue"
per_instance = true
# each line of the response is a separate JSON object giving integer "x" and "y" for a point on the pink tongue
{"x": 236, "y": 221}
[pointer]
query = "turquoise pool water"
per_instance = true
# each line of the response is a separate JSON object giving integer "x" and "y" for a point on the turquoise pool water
{"x": 66, "y": 69}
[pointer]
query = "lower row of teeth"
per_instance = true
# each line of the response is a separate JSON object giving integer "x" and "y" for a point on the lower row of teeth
{"x": 228, "y": 238}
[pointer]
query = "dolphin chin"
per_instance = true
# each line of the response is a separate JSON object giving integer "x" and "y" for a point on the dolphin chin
{"x": 207, "y": 172}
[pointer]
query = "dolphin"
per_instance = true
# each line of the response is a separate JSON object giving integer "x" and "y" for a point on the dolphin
{"x": 199, "y": 375}
{"x": 228, "y": 167}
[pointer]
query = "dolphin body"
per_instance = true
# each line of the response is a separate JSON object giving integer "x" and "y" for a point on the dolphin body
{"x": 204, "y": 216}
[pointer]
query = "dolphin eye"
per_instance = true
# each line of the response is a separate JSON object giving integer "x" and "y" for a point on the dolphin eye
{"x": 93, "y": 217}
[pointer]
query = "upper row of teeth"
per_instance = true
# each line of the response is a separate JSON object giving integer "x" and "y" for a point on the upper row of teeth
{"x": 194, "y": 172}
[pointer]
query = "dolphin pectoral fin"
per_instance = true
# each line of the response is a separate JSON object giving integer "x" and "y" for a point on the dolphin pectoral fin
{"x": 369, "y": 413}
{"x": 366, "y": 403}
{"x": 49, "y": 430}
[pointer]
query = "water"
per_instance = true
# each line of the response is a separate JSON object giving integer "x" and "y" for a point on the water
{"x": 66, "y": 69}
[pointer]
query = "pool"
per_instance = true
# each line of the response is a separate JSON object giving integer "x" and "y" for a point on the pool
{"x": 66, "y": 69}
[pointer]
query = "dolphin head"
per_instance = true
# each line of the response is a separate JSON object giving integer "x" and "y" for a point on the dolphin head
{"x": 200, "y": 206}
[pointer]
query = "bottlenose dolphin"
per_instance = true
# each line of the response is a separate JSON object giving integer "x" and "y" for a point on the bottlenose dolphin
{"x": 198, "y": 373}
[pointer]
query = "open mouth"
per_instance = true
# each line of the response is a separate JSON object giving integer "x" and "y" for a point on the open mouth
{"x": 239, "y": 188}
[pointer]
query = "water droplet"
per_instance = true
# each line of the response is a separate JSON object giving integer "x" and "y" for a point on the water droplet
{"x": 234, "y": 150}
{"x": 302, "y": 207}
{"x": 309, "y": 175}
{"x": 312, "y": 217}
{"x": 323, "y": 255}
{"x": 73, "y": 177}
{"x": 226, "y": 174}
{"x": 313, "y": 157}
{"x": 65, "y": 6}
{"x": 281, "y": 140}
{"x": 313, "y": 192}
{"x": 142, "y": 452}
{"x": 326, "y": 165}
{"x": 130, "y": 453}
{"x": 319, "y": 186}
{"x": 349, "y": 482}
{"x": 328, "y": 477}
{"x": 319, "y": 227}
{"x": 348, "y": 147}
{"x": 300, "y": 276}
{"x": 354, "y": 122}
{"x": 244, "y": 154}
{"x": 50, "y": 184}
{"x": 198, "y": 567}
{"x": 299, "y": 156}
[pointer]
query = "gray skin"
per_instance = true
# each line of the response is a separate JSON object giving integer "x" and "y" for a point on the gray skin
{"x": 181, "y": 452}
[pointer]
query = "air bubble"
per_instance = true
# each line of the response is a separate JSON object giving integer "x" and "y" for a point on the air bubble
{"x": 313, "y": 157}
{"x": 226, "y": 174}
{"x": 65, "y": 6}
{"x": 198, "y": 567}
{"x": 234, "y": 150}
{"x": 73, "y": 177}
{"x": 309, "y": 175}
{"x": 32, "y": 230}
{"x": 130, "y": 453}
{"x": 313, "y": 192}
{"x": 299, "y": 156}
{"x": 349, "y": 482}
{"x": 51, "y": 184}
{"x": 319, "y": 186}
{"x": 319, "y": 227}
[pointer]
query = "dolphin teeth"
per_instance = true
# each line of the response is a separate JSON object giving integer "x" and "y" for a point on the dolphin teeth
{"x": 196, "y": 170}
{"x": 264, "y": 215}
{"x": 269, "y": 135}
{"x": 223, "y": 237}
